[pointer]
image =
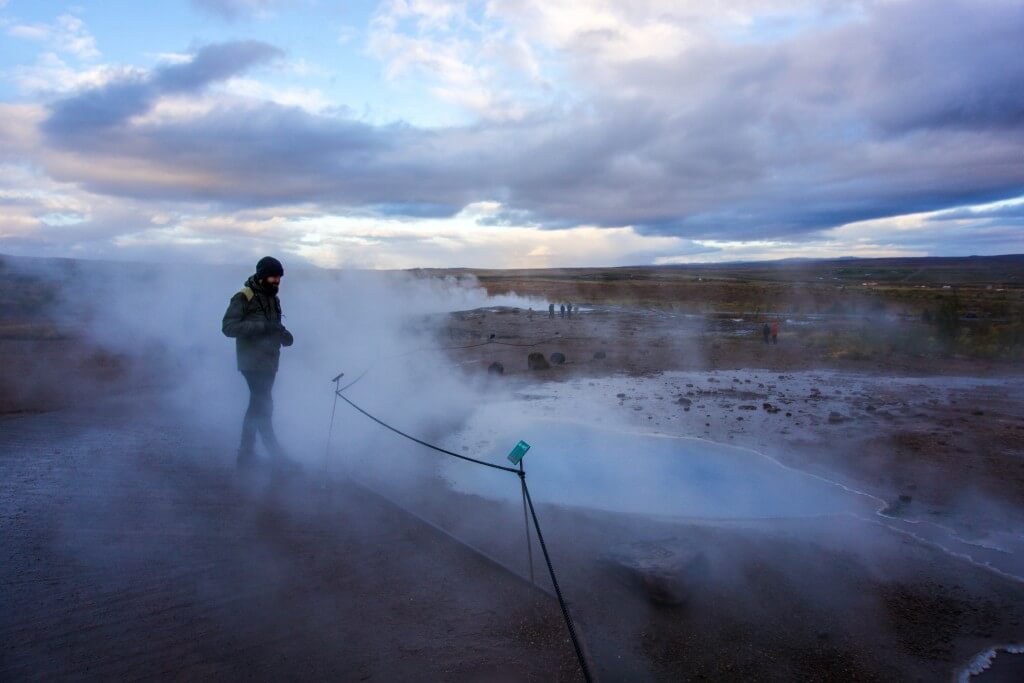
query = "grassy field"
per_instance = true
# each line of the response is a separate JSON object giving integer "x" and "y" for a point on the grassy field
{"x": 970, "y": 306}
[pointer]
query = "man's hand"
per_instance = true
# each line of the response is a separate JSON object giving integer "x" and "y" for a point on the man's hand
{"x": 282, "y": 333}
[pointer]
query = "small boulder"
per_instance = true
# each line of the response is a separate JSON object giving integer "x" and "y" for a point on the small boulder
{"x": 835, "y": 417}
{"x": 537, "y": 361}
{"x": 666, "y": 576}
{"x": 599, "y": 355}
{"x": 496, "y": 368}
{"x": 557, "y": 358}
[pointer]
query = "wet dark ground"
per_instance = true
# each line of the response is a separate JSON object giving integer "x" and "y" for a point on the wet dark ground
{"x": 131, "y": 550}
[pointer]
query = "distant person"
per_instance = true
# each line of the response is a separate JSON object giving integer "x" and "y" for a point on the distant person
{"x": 253, "y": 319}
{"x": 551, "y": 310}
{"x": 775, "y": 332}
{"x": 568, "y": 309}
{"x": 766, "y": 332}
{"x": 562, "y": 311}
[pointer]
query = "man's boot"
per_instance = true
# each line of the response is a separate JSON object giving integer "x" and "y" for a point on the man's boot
{"x": 279, "y": 458}
{"x": 247, "y": 447}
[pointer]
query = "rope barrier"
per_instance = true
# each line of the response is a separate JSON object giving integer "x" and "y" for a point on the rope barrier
{"x": 521, "y": 473}
{"x": 424, "y": 443}
{"x": 554, "y": 582}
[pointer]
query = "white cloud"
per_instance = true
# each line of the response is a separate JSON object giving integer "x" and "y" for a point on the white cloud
{"x": 67, "y": 34}
{"x": 468, "y": 61}
{"x": 310, "y": 99}
{"x": 50, "y": 74}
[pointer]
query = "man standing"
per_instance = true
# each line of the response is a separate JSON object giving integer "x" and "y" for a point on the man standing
{"x": 253, "y": 319}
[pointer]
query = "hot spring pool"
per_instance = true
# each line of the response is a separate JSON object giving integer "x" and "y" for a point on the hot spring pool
{"x": 579, "y": 464}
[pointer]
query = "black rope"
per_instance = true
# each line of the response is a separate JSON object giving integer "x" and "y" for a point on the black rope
{"x": 554, "y": 582}
{"x": 424, "y": 443}
{"x": 584, "y": 668}
{"x": 526, "y": 523}
{"x": 361, "y": 375}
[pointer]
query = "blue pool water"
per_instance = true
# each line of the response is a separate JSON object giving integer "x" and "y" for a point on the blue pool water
{"x": 590, "y": 466}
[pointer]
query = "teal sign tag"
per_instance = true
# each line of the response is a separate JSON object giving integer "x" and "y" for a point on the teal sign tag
{"x": 518, "y": 452}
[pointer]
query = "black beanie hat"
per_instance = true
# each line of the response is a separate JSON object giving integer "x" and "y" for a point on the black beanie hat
{"x": 269, "y": 266}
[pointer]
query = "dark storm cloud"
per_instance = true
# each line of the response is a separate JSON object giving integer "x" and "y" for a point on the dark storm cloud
{"x": 117, "y": 101}
{"x": 213, "y": 63}
{"x": 909, "y": 109}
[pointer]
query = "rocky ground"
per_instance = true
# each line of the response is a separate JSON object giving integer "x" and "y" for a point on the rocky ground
{"x": 901, "y": 428}
{"x": 939, "y": 443}
{"x": 133, "y": 549}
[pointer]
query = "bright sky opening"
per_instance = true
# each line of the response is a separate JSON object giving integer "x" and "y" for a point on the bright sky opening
{"x": 510, "y": 133}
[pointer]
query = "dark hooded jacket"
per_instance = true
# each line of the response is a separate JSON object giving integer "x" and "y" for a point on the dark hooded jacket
{"x": 253, "y": 319}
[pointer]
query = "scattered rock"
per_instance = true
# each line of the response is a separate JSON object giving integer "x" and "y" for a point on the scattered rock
{"x": 537, "y": 361}
{"x": 871, "y": 409}
{"x": 835, "y": 417}
{"x": 557, "y": 358}
{"x": 496, "y": 368}
{"x": 904, "y": 498}
{"x": 746, "y": 407}
{"x": 598, "y": 355}
{"x": 683, "y": 401}
{"x": 665, "y": 576}
{"x": 620, "y": 395}
{"x": 770, "y": 408}
{"x": 978, "y": 412}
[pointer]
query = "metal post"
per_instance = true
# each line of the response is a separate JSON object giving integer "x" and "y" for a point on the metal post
{"x": 526, "y": 521}
{"x": 330, "y": 429}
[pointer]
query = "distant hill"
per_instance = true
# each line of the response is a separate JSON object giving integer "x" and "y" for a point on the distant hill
{"x": 1006, "y": 270}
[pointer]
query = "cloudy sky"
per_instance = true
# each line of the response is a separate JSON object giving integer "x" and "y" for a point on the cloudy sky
{"x": 511, "y": 133}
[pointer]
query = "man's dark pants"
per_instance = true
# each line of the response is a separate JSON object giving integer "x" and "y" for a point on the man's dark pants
{"x": 258, "y": 416}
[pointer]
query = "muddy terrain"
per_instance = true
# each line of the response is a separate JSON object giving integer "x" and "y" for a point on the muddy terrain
{"x": 134, "y": 548}
{"x": 897, "y": 426}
